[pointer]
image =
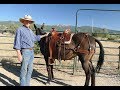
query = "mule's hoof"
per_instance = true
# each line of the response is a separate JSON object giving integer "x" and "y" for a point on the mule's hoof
{"x": 47, "y": 83}
{"x": 51, "y": 63}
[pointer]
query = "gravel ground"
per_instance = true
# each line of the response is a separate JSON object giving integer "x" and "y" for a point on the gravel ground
{"x": 9, "y": 76}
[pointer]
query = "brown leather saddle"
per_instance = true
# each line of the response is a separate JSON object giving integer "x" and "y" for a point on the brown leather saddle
{"x": 54, "y": 39}
{"x": 61, "y": 38}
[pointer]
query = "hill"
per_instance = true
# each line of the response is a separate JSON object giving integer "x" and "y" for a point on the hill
{"x": 97, "y": 30}
{"x": 13, "y": 25}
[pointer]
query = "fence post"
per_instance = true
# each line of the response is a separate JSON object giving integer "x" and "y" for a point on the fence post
{"x": 119, "y": 59}
{"x": 75, "y": 66}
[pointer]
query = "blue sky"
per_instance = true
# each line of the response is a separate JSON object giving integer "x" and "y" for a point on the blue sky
{"x": 53, "y": 14}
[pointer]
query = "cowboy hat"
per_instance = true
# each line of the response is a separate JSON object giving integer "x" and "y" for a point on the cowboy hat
{"x": 26, "y": 17}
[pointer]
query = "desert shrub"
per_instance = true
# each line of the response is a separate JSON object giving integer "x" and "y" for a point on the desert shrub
{"x": 36, "y": 48}
{"x": 103, "y": 35}
{"x": 112, "y": 37}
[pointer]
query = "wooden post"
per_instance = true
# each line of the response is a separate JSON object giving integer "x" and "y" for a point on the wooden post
{"x": 119, "y": 59}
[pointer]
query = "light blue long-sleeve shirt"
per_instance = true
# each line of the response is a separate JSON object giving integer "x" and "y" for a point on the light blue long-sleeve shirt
{"x": 25, "y": 38}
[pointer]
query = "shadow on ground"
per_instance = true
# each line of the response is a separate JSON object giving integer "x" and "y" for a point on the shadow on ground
{"x": 15, "y": 69}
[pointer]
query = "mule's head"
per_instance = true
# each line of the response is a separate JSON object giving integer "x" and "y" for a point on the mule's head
{"x": 39, "y": 31}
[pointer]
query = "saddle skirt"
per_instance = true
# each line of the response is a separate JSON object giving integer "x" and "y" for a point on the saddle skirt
{"x": 57, "y": 38}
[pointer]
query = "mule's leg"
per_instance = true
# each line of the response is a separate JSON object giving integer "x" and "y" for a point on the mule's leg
{"x": 49, "y": 71}
{"x": 92, "y": 75}
{"x": 86, "y": 68}
{"x": 92, "y": 70}
{"x": 49, "y": 74}
{"x": 52, "y": 72}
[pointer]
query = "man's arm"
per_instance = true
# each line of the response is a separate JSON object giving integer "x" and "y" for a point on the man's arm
{"x": 41, "y": 36}
{"x": 17, "y": 40}
{"x": 19, "y": 55}
{"x": 17, "y": 46}
{"x": 38, "y": 37}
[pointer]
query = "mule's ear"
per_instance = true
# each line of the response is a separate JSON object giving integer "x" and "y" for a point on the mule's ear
{"x": 35, "y": 26}
{"x": 42, "y": 26}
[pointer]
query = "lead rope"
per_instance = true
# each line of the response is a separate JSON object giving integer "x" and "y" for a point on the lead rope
{"x": 50, "y": 52}
{"x": 59, "y": 52}
{"x": 64, "y": 48}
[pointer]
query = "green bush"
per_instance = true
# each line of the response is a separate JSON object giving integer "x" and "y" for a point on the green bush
{"x": 111, "y": 37}
{"x": 103, "y": 35}
{"x": 36, "y": 48}
{"x": 106, "y": 35}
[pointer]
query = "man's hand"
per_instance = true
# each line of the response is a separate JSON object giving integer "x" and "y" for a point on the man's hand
{"x": 47, "y": 33}
{"x": 19, "y": 55}
{"x": 41, "y": 36}
{"x": 20, "y": 58}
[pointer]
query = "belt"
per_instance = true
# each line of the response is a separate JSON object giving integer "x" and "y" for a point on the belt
{"x": 28, "y": 48}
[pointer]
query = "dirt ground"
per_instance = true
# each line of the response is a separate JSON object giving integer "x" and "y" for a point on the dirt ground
{"x": 9, "y": 76}
{"x": 9, "y": 71}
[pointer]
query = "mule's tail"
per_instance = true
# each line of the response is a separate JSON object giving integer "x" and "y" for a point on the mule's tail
{"x": 101, "y": 57}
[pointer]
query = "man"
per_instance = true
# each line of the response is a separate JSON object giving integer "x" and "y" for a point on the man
{"x": 24, "y": 44}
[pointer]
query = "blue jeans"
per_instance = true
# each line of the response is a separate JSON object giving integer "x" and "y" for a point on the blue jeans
{"x": 26, "y": 67}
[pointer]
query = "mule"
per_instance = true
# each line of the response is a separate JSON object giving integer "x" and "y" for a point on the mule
{"x": 82, "y": 45}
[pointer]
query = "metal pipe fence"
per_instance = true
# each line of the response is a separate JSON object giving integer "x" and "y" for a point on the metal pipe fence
{"x": 75, "y": 64}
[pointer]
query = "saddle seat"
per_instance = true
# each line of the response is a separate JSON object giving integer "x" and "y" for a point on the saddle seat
{"x": 68, "y": 38}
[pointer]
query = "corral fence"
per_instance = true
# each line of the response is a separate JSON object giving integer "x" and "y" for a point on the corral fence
{"x": 106, "y": 47}
{"x": 111, "y": 65}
